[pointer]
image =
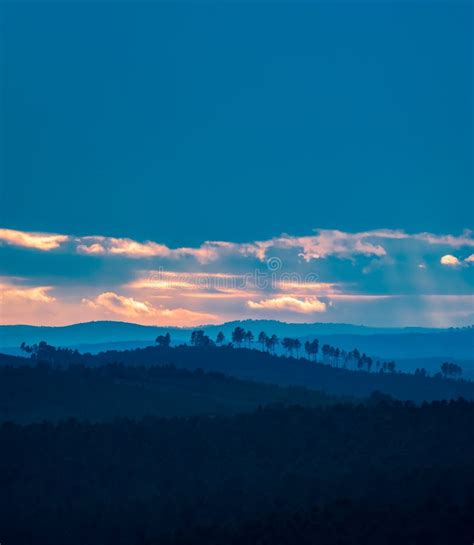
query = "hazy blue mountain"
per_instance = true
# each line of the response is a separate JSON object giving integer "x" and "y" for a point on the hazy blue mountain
{"x": 455, "y": 343}
{"x": 88, "y": 332}
{"x": 107, "y": 331}
{"x": 397, "y": 343}
{"x": 310, "y": 329}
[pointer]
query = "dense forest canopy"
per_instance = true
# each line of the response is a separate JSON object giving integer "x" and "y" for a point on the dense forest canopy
{"x": 250, "y": 446}
{"x": 46, "y": 392}
{"x": 140, "y": 482}
{"x": 355, "y": 376}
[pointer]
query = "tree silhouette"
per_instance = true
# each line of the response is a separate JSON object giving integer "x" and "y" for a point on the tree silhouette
{"x": 249, "y": 338}
{"x": 43, "y": 351}
{"x": 369, "y": 364}
{"x": 220, "y": 338}
{"x": 262, "y": 337}
{"x": 287, "y": 344}
{"x": 238, "y": 335}
{"x": 199, "y": 339}
{"x": 451, "y": 369}
{"x": 271, "y": 343}
{"x": 290, "y": 344}
{"x": 311, "y": 348}
{"x": 163, "y": 340}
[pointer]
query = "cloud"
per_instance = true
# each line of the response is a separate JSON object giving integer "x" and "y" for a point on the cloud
{"x": 368, "y": 297}
{"x": 185, "y": 317}
{"x": 454, "y": 261}
{"x": 454, "y": 241}
{"x": 98, "y": 245}
{"x": 321, "y": 288}
{"x": 222, "y": 293}
{"x": 332, "y": 242}
{"x": 11, "y": 294}
{"x": 325, "y": 243}
{"x": 171, "y": 280}
{"x": 329, "y": 243}
{"x": 450, "y": 260}
{"x": 319, "y": 273}
{"x": 145, "y": 312}
{"x": 21, "y": 304}
{"x": 38, "y": 241}
{"x": 307, "y": 305}
{"x": 321, "y": 245}
{"x": 118, "y": 304}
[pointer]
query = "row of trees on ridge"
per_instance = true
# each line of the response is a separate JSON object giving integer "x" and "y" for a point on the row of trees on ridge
{"x": 329, "y": 354}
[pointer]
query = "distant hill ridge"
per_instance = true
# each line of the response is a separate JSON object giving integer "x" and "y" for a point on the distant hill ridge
{"x": 262, "y": 367}
{"x": 412, "y": 342}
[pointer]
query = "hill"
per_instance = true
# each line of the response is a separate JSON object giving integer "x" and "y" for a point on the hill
{"x": 255, "y": 365}
{"x": 408, "y": 470}
{"x": 406, "y": 343}
{"x": 36, "y": 393}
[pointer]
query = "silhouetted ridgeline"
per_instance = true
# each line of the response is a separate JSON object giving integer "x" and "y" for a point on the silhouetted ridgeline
{"x": 391, "y": 343}
{"x": 158, "y": 480}
{"x": 261, "y": 366}
{"x": 107, "y": 331}
{"x": 42, "y": 392}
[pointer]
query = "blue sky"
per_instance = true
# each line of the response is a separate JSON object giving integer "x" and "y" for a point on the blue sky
{"x": 186, "y": 123}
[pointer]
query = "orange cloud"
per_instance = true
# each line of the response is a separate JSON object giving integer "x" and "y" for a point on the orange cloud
{"x": 143, "y": 311}
{"x": 221, "y": 293}
{"x": 121, "y": 246}
{"x": 11, "y": 294}
{"x": 304, "y": 306}
{"x": 99, "y": 245}
{"x": 118, "y": 304}
{"x": 185, "y": 317}
{"x": 160, "y": 284}
{"x": 38, "y": 241}
{"x": 21, "y": 304}
{"x": 170, "y": 280}
{"x": 450, "y": 260}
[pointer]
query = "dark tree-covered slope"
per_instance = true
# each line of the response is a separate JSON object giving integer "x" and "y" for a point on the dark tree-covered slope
{"x": 261, "y": 366}
{"x": 140, "y": 482}
{"x": 42, "y": 392}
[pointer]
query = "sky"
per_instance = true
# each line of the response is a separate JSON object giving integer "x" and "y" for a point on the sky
{"x": 190, "y": 163}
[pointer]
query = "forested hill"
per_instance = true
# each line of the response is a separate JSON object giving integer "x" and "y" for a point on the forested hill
{"x": 102, "y": 393}
{"x": 148, "y": 482}
{"x": 255, "y": 365}
{"x": 391, "y": 343}
{"x": 109, "y": 331}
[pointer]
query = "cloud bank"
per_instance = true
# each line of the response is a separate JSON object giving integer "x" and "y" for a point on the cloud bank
{"x": 325, "y": 243}
{"x": 379, "y": 277}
